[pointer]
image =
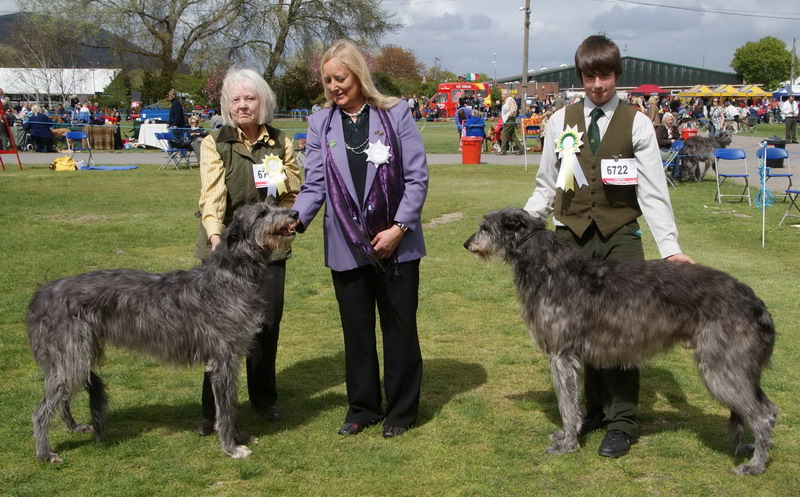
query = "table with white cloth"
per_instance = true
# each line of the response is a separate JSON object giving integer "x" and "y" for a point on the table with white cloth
{"x": 147, "y": 134}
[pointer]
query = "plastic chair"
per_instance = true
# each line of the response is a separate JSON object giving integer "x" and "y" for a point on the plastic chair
{"x": 83, "y": 145}
{"x": 792, "y": 196}
{"x": 731, "y": 154}
{"x": 173, "y": 155}
{"x": 774, "y": 153}
{"x": 671, "y": 161}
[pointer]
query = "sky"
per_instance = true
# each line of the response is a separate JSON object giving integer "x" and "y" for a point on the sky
{"x": 468, "y": 35}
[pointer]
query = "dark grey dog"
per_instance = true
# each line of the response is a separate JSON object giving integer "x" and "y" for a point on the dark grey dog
{"x": 608, "y": 314}
{"x": 697, "y": 149}
{"x": 209, "y": 314}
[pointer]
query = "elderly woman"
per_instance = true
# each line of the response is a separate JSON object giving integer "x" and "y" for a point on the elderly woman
{"x": 40, "y": 128}
{"x": 667, "y": 133}
{"x": 365, "y": 159}
{"x": 243, "y": 162}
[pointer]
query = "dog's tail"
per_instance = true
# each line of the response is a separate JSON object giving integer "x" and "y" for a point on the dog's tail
{"x": 98, "y": 402}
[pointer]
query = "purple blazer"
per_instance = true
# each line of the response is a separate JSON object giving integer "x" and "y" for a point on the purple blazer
{"x": 339, "y": 255}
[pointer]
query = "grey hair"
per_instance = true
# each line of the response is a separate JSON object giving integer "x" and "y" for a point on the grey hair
{"x": 248, "y": 78}
{"x": 476, "y": 113}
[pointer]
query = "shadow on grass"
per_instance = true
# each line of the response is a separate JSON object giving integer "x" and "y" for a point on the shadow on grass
{"x": 444, "y": 379}
{"x": 297, "y": 387}
{"x": 711, "y": 429}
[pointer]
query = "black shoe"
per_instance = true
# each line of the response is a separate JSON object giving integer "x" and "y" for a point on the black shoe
{"x": 795, "y": 141}
{"x": 591, "y": 422}
{"x": 270, "y": 413}
{"x": 205, "y": 428}
{"x": 394, "y": 431}
{"x": 351, "y": 429}
{"x": 616, "y": 444}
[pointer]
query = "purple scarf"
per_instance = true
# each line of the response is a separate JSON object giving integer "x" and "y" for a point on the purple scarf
{"x": 384, "y": 195}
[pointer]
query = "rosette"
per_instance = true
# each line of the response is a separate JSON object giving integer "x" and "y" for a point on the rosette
{"x": 378, "y": 153}
{"x": 275, "y": 169}
{"x": 568, "y": 144}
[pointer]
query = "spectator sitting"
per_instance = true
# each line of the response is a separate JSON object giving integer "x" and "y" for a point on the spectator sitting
{"x": 475, "y": 125}
{"x": 84, "y": 114}
{"x": 667, "y": 134}
{"x": 216, "y": 120}
{"x": 39, "y": 125}
{"x": 196, "y": 134}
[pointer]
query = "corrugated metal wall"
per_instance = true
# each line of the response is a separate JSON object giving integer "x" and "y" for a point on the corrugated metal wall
{"x": 636, "y": 71}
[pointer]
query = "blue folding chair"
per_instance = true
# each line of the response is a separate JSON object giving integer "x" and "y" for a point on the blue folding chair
{"x": 792, "y": 196}
{"x": 173, "y": 155}
{"x": 735, "y": 155}
{"x": 672, "y": 161}
{"x": 83, "y": 145}
{"x": 775, "y": 154}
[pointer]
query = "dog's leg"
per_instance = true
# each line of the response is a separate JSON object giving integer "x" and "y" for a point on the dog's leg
{"x": 732, "y": 384}
{"x": 564, "y": 369}
{"x": 54, "y": 395}
{"x": 98, "y": 403}
{"x": 223, "y": 381}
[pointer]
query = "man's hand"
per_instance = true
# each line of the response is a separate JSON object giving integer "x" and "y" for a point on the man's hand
{"x": 681, "y": 258}
{"x": 386, "y": 242}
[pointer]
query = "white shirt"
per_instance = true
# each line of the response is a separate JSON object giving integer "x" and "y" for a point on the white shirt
{"x": 651, "y": 192}
{"x": 789, "y": 109}
{"x": 509, "y": 107}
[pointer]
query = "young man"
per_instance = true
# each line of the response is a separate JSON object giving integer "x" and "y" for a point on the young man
{"x": 600, "y": 218}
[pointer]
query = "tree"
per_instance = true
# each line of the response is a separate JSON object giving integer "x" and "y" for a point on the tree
{"x": 397, "y": 62}
{"x": 176, "y": 32}
{"x": 766, "y": 61}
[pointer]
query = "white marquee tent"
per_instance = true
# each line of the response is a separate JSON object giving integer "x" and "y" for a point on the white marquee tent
{"x": 41, "y": 82}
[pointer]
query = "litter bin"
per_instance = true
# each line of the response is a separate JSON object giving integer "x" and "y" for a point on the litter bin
{"x": 777, "y": 143}
{"x": 688, "y": 132}
{"x": 471, "y": 149}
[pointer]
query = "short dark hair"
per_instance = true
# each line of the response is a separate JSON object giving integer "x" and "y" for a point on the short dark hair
{"x": 597, "y": 55}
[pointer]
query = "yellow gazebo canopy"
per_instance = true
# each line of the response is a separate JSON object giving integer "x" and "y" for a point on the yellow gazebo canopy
{"x": 726, "y": 91}
{"x": 754, "y": 91}
{"x": 696, "y": 91}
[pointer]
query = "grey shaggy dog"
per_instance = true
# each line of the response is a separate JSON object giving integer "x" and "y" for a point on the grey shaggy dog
{"x": 581, "y": 310}
{"x": 208, "y": 314}
{"x": 697, "y": 149}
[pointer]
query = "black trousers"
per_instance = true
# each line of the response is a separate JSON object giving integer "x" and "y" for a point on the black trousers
{"x": 612, "y": 393}
{"x": 261, "y": 385}
{"x": 395, "y": 293}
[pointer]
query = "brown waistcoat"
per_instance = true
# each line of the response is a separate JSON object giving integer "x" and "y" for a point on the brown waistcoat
{"x": 610, "y": 207}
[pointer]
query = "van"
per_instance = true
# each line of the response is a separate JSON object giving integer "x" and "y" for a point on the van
{"x": 448, "y": 95}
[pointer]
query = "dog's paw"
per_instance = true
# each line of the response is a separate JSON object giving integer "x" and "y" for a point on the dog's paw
{"x": 563, "y": 447}
{"x": 51, "y": 458}
{"x": 240, "y": 452}
{"x": 748, "y": 469}
{"x": 244, "y": 439}
{"x": 82, "y": 429}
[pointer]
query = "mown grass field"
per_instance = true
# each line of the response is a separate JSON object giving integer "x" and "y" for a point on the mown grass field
{"x": 487, "y": 402}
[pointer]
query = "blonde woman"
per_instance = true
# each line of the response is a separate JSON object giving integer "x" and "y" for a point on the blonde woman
{"x": 366, "y": 162}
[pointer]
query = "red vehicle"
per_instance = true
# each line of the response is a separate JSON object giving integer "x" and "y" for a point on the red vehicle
{"x": 449, "y": 94}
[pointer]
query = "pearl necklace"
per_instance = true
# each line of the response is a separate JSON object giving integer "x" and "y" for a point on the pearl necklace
{"x": 356, "y": 114}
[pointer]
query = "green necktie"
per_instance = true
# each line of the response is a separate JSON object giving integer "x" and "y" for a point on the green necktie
{"x": 594, "y": 131}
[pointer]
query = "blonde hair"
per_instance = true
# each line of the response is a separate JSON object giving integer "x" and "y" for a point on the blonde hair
{"x": 350, "y": 56}
{"x": 253, "y": 81}
{"x": 171, "y": 94}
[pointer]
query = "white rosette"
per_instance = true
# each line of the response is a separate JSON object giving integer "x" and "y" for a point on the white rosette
{"x": 378, "y": 153}
{"x": 275, "y": 169}
{"x": 568, "y": 144}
